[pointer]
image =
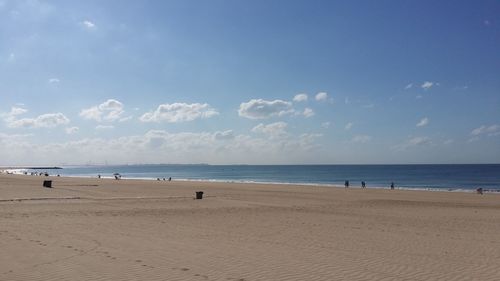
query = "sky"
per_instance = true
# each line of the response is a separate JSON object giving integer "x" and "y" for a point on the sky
{"x": 249, "y": 82}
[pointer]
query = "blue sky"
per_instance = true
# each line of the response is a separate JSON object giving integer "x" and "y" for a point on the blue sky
{"x": 257, "y": 82}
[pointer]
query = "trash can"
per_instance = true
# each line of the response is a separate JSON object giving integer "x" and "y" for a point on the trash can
{"x": 47, "y": 184}
{"x": 199, "y": 194}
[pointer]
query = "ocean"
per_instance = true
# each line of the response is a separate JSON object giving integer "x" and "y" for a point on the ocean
{"x": 428, "y": 177}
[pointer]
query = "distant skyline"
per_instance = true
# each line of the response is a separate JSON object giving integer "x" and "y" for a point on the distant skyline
{"x": 249, "y": 82}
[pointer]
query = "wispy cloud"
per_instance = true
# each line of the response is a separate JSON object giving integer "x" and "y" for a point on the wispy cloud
{"x": 409, "y": 86}
{"x": 11, "y": 57}
{"x": 300, "y": 98}
{"x": 414, "y": 142}
{"x": 275, "y": 130}
{"x": 491, "y": 130}
{"x": 262, "y": 109}
{"x": 179, "y": 112}
{"x": 428, "y": 84}
{"x": 71, "y": 130}
{"x": 54, "y": 80}
{"x": 325, "y": 125}
{"x": 104, "y": 127}
{"x": 308, "y": 112}
{"x": 348, "y": 126}
{"x": 361, "y": 138}
{"x": 423, "y": 122}
{"x": 87, "y": 24}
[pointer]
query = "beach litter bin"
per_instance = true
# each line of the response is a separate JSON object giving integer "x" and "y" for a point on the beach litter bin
{"x": 47, "y": 184}
{"x": 199, "y": 194}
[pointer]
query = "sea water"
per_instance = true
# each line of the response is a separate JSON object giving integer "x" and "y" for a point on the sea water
{"x": 438, "y": 177}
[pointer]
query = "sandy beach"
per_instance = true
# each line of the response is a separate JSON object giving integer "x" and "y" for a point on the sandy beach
{"x": 103, "y": 229}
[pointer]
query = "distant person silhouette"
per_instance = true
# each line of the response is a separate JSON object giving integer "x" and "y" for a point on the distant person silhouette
{"x": 363, "y": 184}
{"x": 346, "y": 184}
{"x": 392, "y": 185}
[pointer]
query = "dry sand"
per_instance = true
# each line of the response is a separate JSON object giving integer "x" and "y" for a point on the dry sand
{"x": 100, "y": 229}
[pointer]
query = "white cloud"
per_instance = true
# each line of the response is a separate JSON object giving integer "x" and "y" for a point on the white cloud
{"x": 414, "y": 142}
{"x": 71, "y": 130}
{"x": 261, "y": 109}
{"x": 109, "y": 110}
{"x": 88, "y": 25}
{"x": 126, "y": 118}
{"x": 427, "y": 85}
{"x": 277, "y": 129}
{"x": 300, "y": 98}
{"x": 409, "y": 86}
{"x": 418, "y": 97}
{"x": 54, "y": 80}
{"x": 361, "y": 139}
{"x": 224, "y": 135}
{"x": 325, "y": 125}
{"x": 321, "y": 96}
{"x": 104, "y": 127}
{"x": 492, "y": 130}
{"x": 308, "y": 112}
{"x": 179, "y": 112}
{"x": 14, "y": 111}
{"x": 184, "y": 147}
{"x": 423, "y": 122}
{"x": 48, "y": 120}
{"x": 348, "y": 126}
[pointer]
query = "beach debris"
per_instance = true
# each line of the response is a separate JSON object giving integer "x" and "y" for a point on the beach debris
{"x": 199, "y": 194}
{"x": 47, "y": 184}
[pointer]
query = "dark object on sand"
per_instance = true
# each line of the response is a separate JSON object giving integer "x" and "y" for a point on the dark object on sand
{"x": 117, "y": 176}
{"x": 170, "y": 179}
{"x": 479, "y": 190}
{"x": 363, "y": 184}
{"x": 199, "y": 194}
{"x": 47, "y": 184}
{"x": 392, "y": 185}
{"x": 346, "y": 184}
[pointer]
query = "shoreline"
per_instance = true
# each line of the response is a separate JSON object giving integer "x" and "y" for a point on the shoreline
{"x": 375, "y": 187}
{"x": 270, "y": 184}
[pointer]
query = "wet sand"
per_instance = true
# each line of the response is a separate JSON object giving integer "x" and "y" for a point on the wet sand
{"x": 103, "y": 229}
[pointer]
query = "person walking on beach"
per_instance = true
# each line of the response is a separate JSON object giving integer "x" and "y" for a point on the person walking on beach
{"x": 392, "y": 185}
{"x": 346, "y": 184}
{"x": 363, "y": 184}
